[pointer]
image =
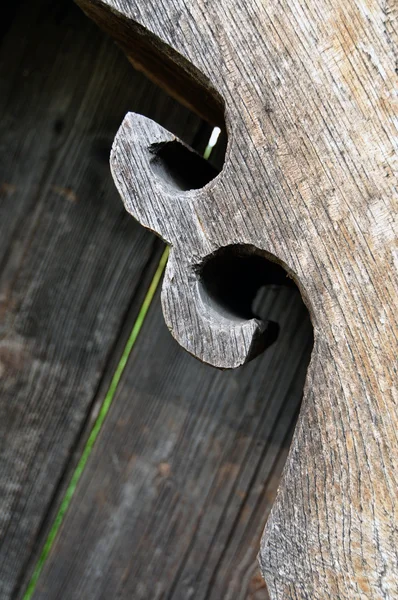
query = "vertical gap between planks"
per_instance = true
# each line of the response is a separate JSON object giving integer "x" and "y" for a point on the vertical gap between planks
{"x": 67, "y": 498}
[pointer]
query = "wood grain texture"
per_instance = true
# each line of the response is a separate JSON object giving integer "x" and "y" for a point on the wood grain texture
{"x": 174, "y": 497}
{"x": 73, "y": 264}
{"x": 310, "y": 181}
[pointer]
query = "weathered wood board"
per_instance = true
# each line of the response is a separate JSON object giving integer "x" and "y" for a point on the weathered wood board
{"x": 74, "y": 266}
{"x": 175, "y": 494}
{"x": 309, "y": 181}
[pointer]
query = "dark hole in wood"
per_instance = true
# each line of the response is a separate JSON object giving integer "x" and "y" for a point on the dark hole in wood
{"x": 232, "y": 277}
{"x": 236, "y": 281}
{"x": 180, "y": 167}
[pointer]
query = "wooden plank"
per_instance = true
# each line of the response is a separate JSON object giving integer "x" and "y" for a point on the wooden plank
{"x": 73, "y": 265}
{"x": 310, "y": 182}
{"x": 173, "y": 500}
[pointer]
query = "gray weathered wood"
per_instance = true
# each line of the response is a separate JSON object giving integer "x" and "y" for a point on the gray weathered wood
{"x": 310, "y": 182}
{"x": 175, "y": 494}
{"x": 73, "y": 264}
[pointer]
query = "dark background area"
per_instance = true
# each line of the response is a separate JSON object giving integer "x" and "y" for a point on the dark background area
{"x": 176, "y": 492}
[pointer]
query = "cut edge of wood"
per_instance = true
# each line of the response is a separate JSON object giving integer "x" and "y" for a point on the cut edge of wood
{"x": 159, "y": 62}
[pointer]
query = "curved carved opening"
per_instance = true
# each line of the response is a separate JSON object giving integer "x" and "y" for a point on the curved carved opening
{"x": 240, "y": 282}
{"x": 233, "y": 276}
{"x": 180, "y": 167}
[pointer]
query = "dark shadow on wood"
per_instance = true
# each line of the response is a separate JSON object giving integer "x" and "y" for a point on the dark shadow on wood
{"x": 179, "y": 167}
{"x": 184, "y": 474}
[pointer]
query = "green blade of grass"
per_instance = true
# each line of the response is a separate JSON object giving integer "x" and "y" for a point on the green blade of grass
{"x": 104, "y": 409}
{"x": 97, "y": 425}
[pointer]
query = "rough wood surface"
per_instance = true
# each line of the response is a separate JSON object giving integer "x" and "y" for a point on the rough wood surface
{"x": 175, "y": 495}
{"x": 309, "y": 181}
{"x": 73, "y": 264}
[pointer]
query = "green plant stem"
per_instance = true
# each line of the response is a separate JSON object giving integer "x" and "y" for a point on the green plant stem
{"x": 97, "y": 425}
{"x": 101, "y": 418}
